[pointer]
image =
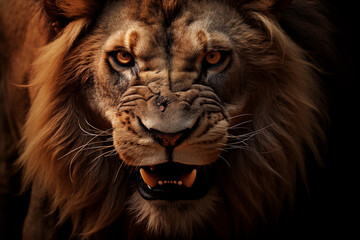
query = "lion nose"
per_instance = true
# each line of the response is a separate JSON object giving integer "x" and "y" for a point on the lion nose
{"x": 169, "y": 139}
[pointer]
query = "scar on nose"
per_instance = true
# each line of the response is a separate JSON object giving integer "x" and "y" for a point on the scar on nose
{"x": 162, "y": 108}
{"x": 162, "y": 102}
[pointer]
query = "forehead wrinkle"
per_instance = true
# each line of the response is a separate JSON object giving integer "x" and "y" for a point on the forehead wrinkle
{"x": 134, "y": 39}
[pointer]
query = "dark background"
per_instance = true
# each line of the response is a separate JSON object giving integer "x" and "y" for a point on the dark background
{"x": 332, "y": 209}
{"x": 341, "y": 200}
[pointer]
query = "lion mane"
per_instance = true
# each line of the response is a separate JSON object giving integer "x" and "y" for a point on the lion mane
{"x": 272, "y": 111}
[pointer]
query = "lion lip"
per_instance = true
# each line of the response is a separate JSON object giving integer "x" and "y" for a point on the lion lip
{"x": 174, "y": 181}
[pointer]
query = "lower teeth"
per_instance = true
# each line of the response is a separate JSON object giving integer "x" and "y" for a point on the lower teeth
{"x": 180, "y": 183}
{"x": 152, "y": 180}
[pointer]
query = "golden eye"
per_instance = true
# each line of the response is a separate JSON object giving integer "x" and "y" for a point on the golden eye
{"x": 213, "y": 57}
{"x": 124, "y": 57}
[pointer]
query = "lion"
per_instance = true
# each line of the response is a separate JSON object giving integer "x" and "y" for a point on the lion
{"x": 155, "y": 119}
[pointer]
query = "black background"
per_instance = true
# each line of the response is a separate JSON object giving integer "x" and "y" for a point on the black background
{"x": 332, "y": 209}
{"x": 340, "y": 199}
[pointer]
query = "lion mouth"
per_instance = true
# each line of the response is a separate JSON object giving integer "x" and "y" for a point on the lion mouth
{"x": 174, "y": 181}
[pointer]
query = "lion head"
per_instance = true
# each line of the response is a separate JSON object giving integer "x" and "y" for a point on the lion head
{"x": 171, "y": 115}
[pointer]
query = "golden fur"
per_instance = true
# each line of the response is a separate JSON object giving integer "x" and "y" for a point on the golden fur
{"x": 259, "y": 119}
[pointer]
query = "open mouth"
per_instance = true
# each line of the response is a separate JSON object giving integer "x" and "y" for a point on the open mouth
{"x": 174, "y": 181}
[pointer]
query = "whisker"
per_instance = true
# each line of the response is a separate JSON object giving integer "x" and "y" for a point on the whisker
{"x": 222, "y": 149}
{"x": 84, "y": 145}
{"x": 98, "y": 149}
{"x": 240, "y": 115}
{"x": 88, "y": 133}
{"x": 103, "y": 154}
{"x": 243, "y": 141}
{"x": 236, "y": 126}
{"x": 97, "y": 129}
{"x": 248, "y": 148}
{"x": 111, "y": 153}
{"x": 250, "y": 135}
{"x": 118, "y": 171}
{"x": 93, "y": 163}
{"x": 241, "y": 135}
{"x": 77, "y": 153}
{"x": 242, "y": 148}
{"x": 227, "y": 163}
{"x": 90, "y": 145}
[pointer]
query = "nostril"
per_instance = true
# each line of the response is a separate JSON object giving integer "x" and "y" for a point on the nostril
{"x": 169, "y": 139}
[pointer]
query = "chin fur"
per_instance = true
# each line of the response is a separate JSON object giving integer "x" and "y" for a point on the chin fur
{"x": 173, "y": 218}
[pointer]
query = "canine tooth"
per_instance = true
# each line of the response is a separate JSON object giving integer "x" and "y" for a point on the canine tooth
{"x": 148, "y": 178}
{"x": 189, "y": 179}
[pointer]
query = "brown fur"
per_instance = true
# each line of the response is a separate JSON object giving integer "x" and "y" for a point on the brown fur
{"x": 81, "y": 140}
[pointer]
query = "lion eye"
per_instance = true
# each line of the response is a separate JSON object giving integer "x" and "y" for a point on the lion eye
{"x": 121, "y": 59}
{"x": 124, "y": 57}
{"x": 216, "y": 60}
{"x": 213, "y": 57}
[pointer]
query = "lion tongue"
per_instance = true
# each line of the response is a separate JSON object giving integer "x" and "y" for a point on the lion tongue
{"x": 152, "y": 180}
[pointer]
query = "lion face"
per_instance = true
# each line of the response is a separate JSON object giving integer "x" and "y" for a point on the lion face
{"x": 205, "y": 107}
{"x": 162, "y": 89}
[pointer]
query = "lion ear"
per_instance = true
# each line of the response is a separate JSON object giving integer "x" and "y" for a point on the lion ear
{"x": 61, "y": 12}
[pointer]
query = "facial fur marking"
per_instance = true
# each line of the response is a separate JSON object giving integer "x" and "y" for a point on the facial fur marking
{"x": 202, "y": 40}
{"x": 133, "y": 39}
